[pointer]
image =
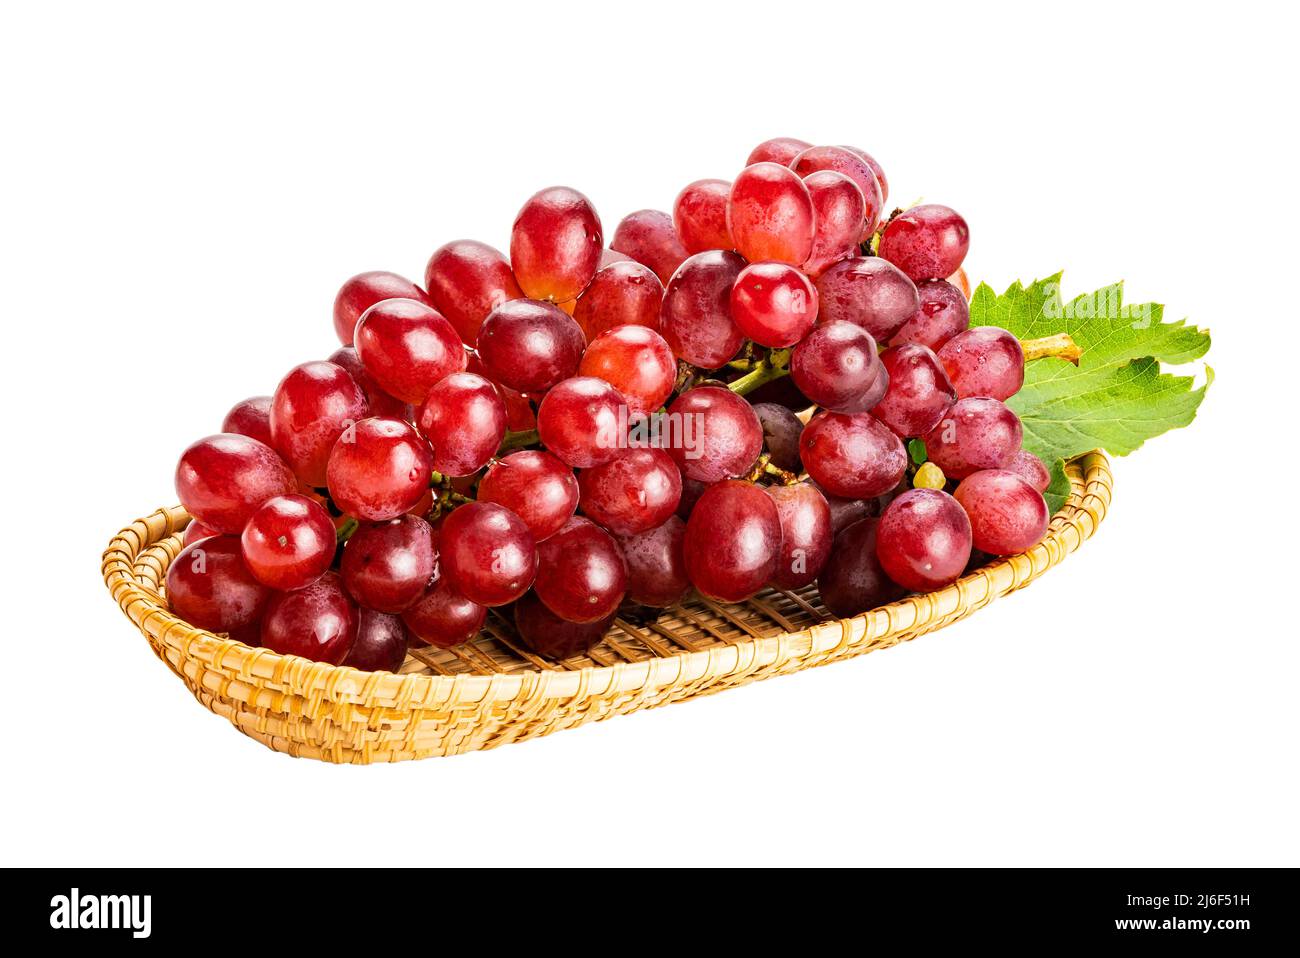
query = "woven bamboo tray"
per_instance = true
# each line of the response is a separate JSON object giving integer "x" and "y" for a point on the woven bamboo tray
{"x": 491, "y": 691}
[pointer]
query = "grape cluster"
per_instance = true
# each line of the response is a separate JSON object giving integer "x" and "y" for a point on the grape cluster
{"x": 721, "y": 400}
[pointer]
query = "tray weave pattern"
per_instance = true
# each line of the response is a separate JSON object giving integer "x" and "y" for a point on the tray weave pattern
{"x": 492, "y": 691}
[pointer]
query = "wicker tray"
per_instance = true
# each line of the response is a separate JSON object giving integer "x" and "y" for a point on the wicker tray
{"x": 491, "y": 691}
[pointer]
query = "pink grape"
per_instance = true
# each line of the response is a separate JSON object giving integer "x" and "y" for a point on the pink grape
{"x": 583, "y": 421}
{"x": 378, "y": 402}
{"x": 210, "y": 587}
{"x": 311, "y": 407}
{"x": 364, "y": 290}
{"x": 443, "y": 617}
{"x": 547, "y": 634}
{"x": 251, "y": 418}
{"x": 534, "y": 485}
{"x": 464, "y": 419}
{"x": 387, "y": 565}
{"x": 852, "y": 455}
{"x": 634, "y": 492}
{"x": 806, "y": 533}
{"x": 221, "y": 480}
{"x": 924, "y": 540}
{"x": 317, "y": 622}
{"x": 700, "y": 216}
{"x": 379, "y": 469}
{"x": 695, "y": 317}
{"x": 853, "y": 580}
{"x": 840, "y": 212}
{"x": 926, "y": 242}
{"x": 984, "y": 361}
{"x": 381, "y": 642}
{"x": 620, "y": 294}
{"x": 195, "y": 531}
{"x": 406, "y": 347}
{"x": 944, "y": 312}
{"x": 770, "y": 215}
{"x": 876, "y": 168}
{"x": 288, "y": 542}
{"x": 773, "y": 304}
{"x": 529, "y": 346}
{"x": 868, "y": 291}
{"x": 841, "y": 160}
{"x": 1024, "y": 464}
{"x": 487, "y": 553}
{"x": 781, "y": 149}
{"x": 581, "y": 575}
{"x": 1007, "y": 514}
{"x": 974, "y": 434}
{"x": 656, "y": 565}
{"x": 919, "y": 392}
{"x": 837, "y": 367}
{"x": 733, "y": 541}
{"x": 649, "y": 238}
{"x": 555, "y": 244}
{"x": 466, "y": 280}
{"x": 636, "y": 361}
{"x": 718, "y": 435}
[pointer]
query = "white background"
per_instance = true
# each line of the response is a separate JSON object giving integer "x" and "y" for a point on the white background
{"x": 184, "y": 190}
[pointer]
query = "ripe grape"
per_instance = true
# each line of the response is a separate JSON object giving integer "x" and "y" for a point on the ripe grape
{"x": 924, "y": 540}
{"x": 695, "y": 317}
{"x": 443, "y": 617}
{"x": 519, "y": 411}
{"x": 877, "y": 169}
{"x": 379, "y": 469}
{"x": 656, "y": 565}
{"x": 845, "y": 512}
{"x": 251, "y": 418}
{"x": 464, "y": 419}
{"x": 386, "y": 566}
{"x": 637, "y": 362}
{"x": 378, "y": 402}
{"x": 311, "y": 407}
{"x": 961, "y": 281}
{"x": 634, "y": 492}
{"x": 210, "y": 587}
{"x": 975, "y": 434}
{"x": 770, "y": 215}
{"x": 466, "y": 280}
{"x": 381, "y": 642}
{"x": 845, "y": 161}
{"x": 487, "y": 553}
{"x": 718, "y": 435}
{"x": 837, "y": 367}
{"x": 608, "y": 257}
{"x": 926, "y": 242}
{"x": 840, "y": 212}
{"x": 407, "y": 347}
{"x": 288, "y": 542}
{"x": 868, "y": 291}
{"x": 534, "y": 485}
{"x": 692, "y": 489}
{"x": 700, "y": 216}
{"x": 1007, "y": 514}
{"x": 649, "y": 238}
{"x": 781, "y": 149}
{"x": 773, "y": 304}
{"x": 364, "y": 290}
{"x": 781, "y": 429}
{"x": 529, "y": 345}
{"x": 318, "y": 621}
{"x": 547, "y": 634}
{"x": 919, "y": 391}
{"x": 197, "y": 530}
{"x": 221, "y": 480}
{"x": 853, "y": 581}
{"x": 583, "y": 421}
{"x": 806, "y": 533}
{"x": 943, "y": 314}
{"x": 852, "y": 455}
{"x": 733, "y": 541}
{"x": 621, "y": 294}
{"x": 555, "y": 244}
{"x": 1024, "y": 464}
{"x": 581, "y": 576}
{"x": 984, "y": 361}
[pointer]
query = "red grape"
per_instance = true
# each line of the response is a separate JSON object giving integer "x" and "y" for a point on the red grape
{"x": 583, "y": 421}
{"x": 312, "y": 406}
{"x": 464, "y": 419}
{"x": 1024, "y": 464}
{"x": 781, "y": 149}
{"x": 845, "y": 161}
{"x": 379, "y": 469}
{"x": 919, "y": 391}
{"x": 251, "y": 418}
{"x": 656, "y": 566}
{"x": 386, "y": 566}
{"x": 529, "y": 345}
{"x": 926, "y": 242}
{"x": 221, "y": 480}
{"x": 210, "y": 587}
{"x": 318, "y": 621}
{"x": 806, "y": 532}
{"x": 487, "y": 553}
{"x": 288, "y": 542}
{"x": 876, "y": 168}
{"x": 364, "y": 290}
{"x": 773, "y": 304}
{"x": 535, "y": 486}
{"x": 443, "y": 617}
{"x": 634, "y": 492}
{"x": 943, "y": 314}
{"x": 609, "y": 257}
{"x": 700, "y": 216}
{"x": 380, "y": 645}
{"x": 696, "y": 315}
{"x": 547, "y": 634}
{"x": 1007, "y": 514}
{"x": 581, "y": 576}
{"x": 718, "y": 435}
{"x": 770, "y": 215}
{"x": 692, "y": 489}
{"x": 975, "y": 434}
{"x": 840, "y": 212}
{"x": 378, "y": 402}
{"x": 555, "y": 244}
{"x": 924, "y": 540}
{"x": 197, "y": 530}
{"x": 519, "y": 411}
{"x": 407, "y": 347}
{"x": 853, "y": 581}
{"x": 853, "y": 455}
{"x": 836, "y": 366}
{"x": 649, "y": 238}
{"x": 868, "y": 291}
{"x": 984, "y": 361}
{"x": 781, "y": 429}
{"x": 845, "y": 512}
{"x": 621, "y": 294}
{"x": 466, "y": 280}
{"x": 637, "y": 362}
{"x": 733, "y": 541}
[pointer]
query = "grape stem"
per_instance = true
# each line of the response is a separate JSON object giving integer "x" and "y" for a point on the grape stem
{"x": 518, "y": 440}
{"x": 773, "y": 366}
{"x": 1060, "y": 346}
{"x": 344, "y": 532}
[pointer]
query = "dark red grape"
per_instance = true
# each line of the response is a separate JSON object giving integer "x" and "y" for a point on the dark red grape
{"x": 974, "y": 434}
{"x": 547, "y": 634}
{"x": 984, "y": 361}
{"x": 487, "y": 553}
{"x": 845, "y": 512}
{"x": 840, "y": 212}
{"x": 288, "y": 542}
{"x": 692, "y": 489}
{"x": 919, "y": 391}
{"x": 853, "y": 581}
{"x": 870, "y": 292}
{"x": 583, "y": 421}
{"x": 852, "y": 455}
{"x": 926, "y": 242}
{"x": 1024, "y": 464}
{"x": 380, "y": 645}
{"x": 841, "y": 160}
{"x": 443, "y": 617}
{"x": 1007, "y": 514}
{"x": 621, "y": 294}
{"x": 379, "y": 469}
{"x": 649, "y": 238}
{"x": 695, "y": 317}
{"x": 581, "y": 576}
{"x": 251, "y": 418}
{"x": 221, "y": 480}
{"x": 700, "y": 216}
{"x": 924, "y": 540}
{"x": 210, "y": 587}
{"x": 773, "y": 304}
{"x": 656, "y": 565}
{"x": 806, "y": 532}
{"x": 781, "y": 149}
{"x": 378, "y": 402}
{"x": 407, "y": 347}
{"x": 943, "y": 314}
{"x": 318, "y": 622}
{"x": 770, "y": 215}
{"x": 637, "y": 362}
{"x": 364, "y": 290}
{"x": 529, "y": 345}
{"x": 386, "y": 566}
{"x": 781, "y": 429}
{"x": 717, "y": 434}
{"x": 195, "y": 531}
{"x": 634, "y": 492}
{"x": 837, "y": 367}
{"x": 312, "y": 406}
{"x": 466, "y": 280}
{"x": 733, "y": 541}
{"x": 464, "y": 419}
{"x": 534, "y": 485}
{"x": 555, "y": 244}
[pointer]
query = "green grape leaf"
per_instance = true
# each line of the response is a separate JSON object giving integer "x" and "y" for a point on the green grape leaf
{"x": 1117, "y": 397}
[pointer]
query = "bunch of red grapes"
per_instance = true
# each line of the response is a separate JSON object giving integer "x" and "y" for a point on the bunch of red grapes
{"x": 483, "y": 441}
